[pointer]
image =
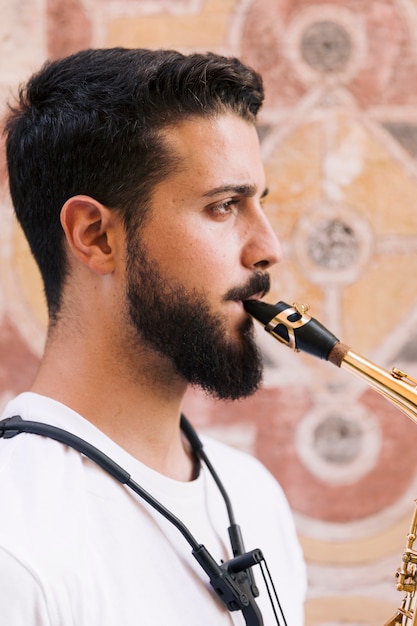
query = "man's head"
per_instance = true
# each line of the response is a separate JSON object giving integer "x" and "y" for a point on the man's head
{"x": 91, "y": 124}
{"x": 137, "y": 178}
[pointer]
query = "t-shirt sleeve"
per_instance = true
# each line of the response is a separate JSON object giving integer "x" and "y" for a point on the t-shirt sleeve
{"x": 22, "y": 602}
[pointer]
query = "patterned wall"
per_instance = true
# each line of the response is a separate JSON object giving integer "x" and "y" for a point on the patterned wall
{"x": 339, "y": 139}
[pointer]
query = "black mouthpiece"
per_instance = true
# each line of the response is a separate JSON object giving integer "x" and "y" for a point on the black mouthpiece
{"x": 292, "y": 326}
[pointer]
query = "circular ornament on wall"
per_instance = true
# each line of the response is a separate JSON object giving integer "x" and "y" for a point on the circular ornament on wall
{"x": 332, "y": 244}
{"x": 326, "y": 41}
{"x": 338, "y": 444}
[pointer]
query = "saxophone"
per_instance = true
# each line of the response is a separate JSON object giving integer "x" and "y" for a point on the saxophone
{"x": 293, "y": 327}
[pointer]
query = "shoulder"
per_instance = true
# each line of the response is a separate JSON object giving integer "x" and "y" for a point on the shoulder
{"x": 262, "y": 509}
{"x": 41, "y": 480}
{"x": 256, "y": 493}
{"x": 247, "y": 479}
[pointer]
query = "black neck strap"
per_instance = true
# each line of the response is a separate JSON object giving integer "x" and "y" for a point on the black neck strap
{"x": 232, "y": 580}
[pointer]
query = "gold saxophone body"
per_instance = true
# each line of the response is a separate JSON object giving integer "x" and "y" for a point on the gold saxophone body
{"x": 292, "y": 326}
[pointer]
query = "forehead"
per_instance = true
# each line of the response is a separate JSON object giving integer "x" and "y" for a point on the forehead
{"x": 207, "y": 149}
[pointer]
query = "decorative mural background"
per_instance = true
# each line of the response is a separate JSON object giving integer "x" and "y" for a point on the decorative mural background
{"x": 339, "y": 140}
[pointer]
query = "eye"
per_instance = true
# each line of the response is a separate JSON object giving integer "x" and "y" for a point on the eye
{"x": 224, "y": 209}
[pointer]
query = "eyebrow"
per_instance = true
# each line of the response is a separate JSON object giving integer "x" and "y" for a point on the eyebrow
{"x": 242, "y": 190}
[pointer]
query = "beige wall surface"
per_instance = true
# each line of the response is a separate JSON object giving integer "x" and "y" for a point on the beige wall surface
{"x": 339, "y": 141}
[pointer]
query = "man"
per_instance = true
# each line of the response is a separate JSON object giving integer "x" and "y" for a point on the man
{"x": 136, "y": 176}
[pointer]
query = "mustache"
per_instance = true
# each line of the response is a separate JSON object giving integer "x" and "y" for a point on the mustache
{"x": 260, "y": 283}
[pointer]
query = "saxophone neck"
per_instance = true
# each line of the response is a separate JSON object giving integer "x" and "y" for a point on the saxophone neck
{"x": 399, "y": 390}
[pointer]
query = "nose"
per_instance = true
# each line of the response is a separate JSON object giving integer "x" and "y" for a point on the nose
{"x": 263, "y": 248}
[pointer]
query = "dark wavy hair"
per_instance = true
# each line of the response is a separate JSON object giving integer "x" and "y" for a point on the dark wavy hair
{"x": 90, "y": 124}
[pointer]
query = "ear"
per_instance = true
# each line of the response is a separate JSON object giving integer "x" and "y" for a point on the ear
{"x": 92, "y": 231}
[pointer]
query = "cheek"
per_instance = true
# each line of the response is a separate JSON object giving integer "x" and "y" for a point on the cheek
{"x": 195, "y": 254}
{"x": 200, "y": 263}
{"x": 208, "y": 255}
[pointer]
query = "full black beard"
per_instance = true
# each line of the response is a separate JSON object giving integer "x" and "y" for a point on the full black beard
{"x": 179, "y": 325}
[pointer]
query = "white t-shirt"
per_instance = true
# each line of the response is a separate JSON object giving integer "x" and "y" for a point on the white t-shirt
{"x": 78, "y": 548}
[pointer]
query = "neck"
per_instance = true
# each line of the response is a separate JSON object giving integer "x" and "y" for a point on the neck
{"x": 134, "y": 399}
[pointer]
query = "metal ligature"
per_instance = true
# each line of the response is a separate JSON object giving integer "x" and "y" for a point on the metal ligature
{"x": 292, "y": 326}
